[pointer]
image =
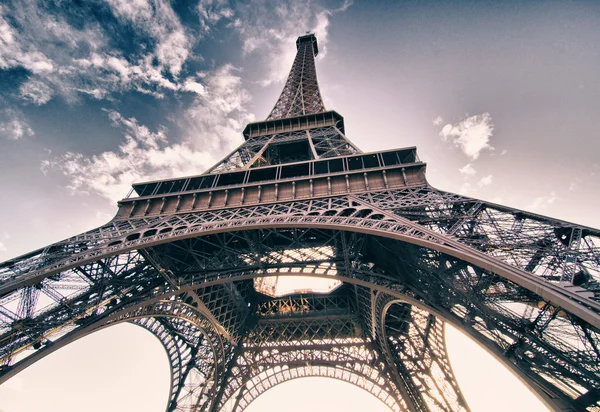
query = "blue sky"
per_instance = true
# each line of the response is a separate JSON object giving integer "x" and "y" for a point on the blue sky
{"x": 500, "y": 97}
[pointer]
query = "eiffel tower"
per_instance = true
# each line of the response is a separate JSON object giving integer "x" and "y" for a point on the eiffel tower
{"x": 210, "y": 264}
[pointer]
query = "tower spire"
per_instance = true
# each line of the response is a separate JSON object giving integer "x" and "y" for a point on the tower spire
{"x": 200, "y": 262}
{"x": 301, "y": 94}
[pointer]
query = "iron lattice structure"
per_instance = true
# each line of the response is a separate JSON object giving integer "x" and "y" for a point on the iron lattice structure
{"x": 201, "y": 263}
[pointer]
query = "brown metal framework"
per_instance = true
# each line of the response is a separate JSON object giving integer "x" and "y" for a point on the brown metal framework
{"x": 187, "y": 259}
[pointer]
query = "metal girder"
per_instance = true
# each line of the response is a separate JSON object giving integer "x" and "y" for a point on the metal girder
{"x": 301, "y": 94}
{"x": 413, "y": 342}
{"x": 537, "y": 340}
{"x": 406, "y": 258}
{"x": 343, "y": 212}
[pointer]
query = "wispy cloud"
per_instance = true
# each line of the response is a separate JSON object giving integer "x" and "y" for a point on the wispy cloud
{"x": 219, "y": 111}
{"x": 15, "y": 52}
{"x": 158, "y": 20}
{"x": 211, "y": 12}
{"x": 13, "y": 125}
{"x": 438, "y": 121}
{"x": 543, "y": 202}
{"x": 46, "y": 46}
{"x": 471, "y": 135}
{"x": 67, "y": 60}
{"x": 485, "y": 181}
{"x": 271, "y": 28}
{"x": 36, "y": 91}
{"x": 214, "y": 122}
{"x": 144, "y": 155}
{"x": 467, "y": 170}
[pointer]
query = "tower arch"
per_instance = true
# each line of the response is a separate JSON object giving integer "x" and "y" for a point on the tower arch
{"x": 298, "y": 198}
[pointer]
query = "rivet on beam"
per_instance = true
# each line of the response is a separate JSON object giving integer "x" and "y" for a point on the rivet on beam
{"x": 132, "y": 208}
{"x": 148, "y": 202}
{"x": 194, "y": 199}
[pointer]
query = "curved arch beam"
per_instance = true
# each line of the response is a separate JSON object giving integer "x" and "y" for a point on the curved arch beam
{"x": 542, "y": 389}
{"x": 333, "y": 372}
{"x": 137, "y": 314}
{"x": 386, "y": 288}
{"x": 444, "y": 394}
{"x": 261, "y": 367}
{"x": 398, "y": 229}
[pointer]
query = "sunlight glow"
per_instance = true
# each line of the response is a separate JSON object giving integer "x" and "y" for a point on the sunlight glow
{"x": 486, "y": 384}
{"x": 286, "y": 284}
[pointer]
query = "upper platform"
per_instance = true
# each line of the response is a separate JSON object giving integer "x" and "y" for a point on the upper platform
{"x": 292, "y": 124}
{"x": 309, "y": 38}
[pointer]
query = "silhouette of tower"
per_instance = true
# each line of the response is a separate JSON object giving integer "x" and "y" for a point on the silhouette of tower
{"x": 205, "y": 262}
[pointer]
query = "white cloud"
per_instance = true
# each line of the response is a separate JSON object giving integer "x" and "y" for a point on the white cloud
{"x": 542, "y": 202}
{"x": 13, "y": 125}
{"x": 211, "y": 12}
{"x": 438, "y": 121}
{"x": 485, "y": 181}
{"x": 271, "y": 28}
{"x": 98, "y": 94}
{"x": 503, "y": 152}
{"x": 192, "y": 86}
{"x": 36, "y": 92}
{"x": 213, "y": 124}
{"x": 71, "y": 60}
{"x": 14, "y": 53}
{"x": 467, "y": 170}
{"x": 144, "y": 155}
{"x": 471, "y": 135}
{"x": 54, "y": 52}
{"x": 219, "y": 112}
{"x": 158, "y": 19}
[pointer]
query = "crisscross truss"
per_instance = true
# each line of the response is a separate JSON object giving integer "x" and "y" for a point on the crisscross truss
{"x": 209, "y": 260}
{"x": 413, "y": 341}
{"x": 200, "y": 264}
{"x": 288, "y": 147}
{"x": 301, "y": 94}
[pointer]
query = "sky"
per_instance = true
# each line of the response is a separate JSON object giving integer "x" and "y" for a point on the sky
{"x": 500, "y": 97}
